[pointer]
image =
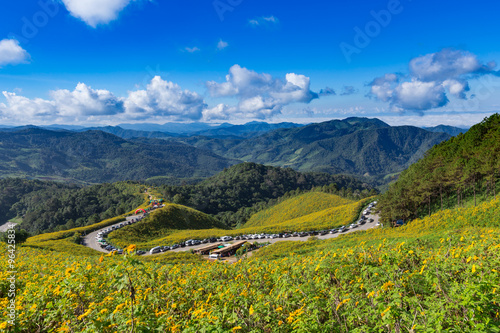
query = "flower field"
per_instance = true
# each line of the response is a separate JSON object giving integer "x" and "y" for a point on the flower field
{"x": 323, "y": 219}
{"x": 435, "y": 274}
{"x": 296, "y": 207}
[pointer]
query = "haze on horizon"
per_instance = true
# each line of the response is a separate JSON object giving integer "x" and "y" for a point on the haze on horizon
{"x": 108, "y": 62}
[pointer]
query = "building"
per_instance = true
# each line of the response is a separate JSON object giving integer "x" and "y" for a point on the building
{"x": 207, "y": 248}
{"x": 230, "y": 250}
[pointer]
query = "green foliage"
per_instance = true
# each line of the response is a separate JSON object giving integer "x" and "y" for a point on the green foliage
{"x": 439, "y": 273}
{"x": 464, "y": 168}
{"x": 50, "y": 206}
{"x": 359, "y": 146}
{"x": 324, "y": 219}
{"x": 20, "y": 236}
{"x": 160, "y": 223}
{"x": 96, "y": 157}
{"x": 240, "y": 191}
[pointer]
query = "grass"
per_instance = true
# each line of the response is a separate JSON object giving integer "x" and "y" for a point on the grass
{"x": 16, "y": 219}
{"x": 438, "y": 273}
{"x": 324, "y": 219}
{"x": 296, "y": 207}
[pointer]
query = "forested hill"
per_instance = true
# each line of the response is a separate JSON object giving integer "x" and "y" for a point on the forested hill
{"x": 237, "y": 192}
{"x": 359, "y": 146}
{"x": 96, "y": 156}
{"x": 456, "y": 172}
{"x": 50, "y": 206}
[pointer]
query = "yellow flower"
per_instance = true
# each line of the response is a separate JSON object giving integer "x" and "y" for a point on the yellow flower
{"x": 131, "y": 248}
{"x": 3, "y": 325}
{"x": 101, "y": 259}
{"x": 237, "y": 328}
{"x": 251, "y": 310}
{"x": 385, "y": 311}
{"x": 89, "y": 267}
{"x": 473, "y": 268}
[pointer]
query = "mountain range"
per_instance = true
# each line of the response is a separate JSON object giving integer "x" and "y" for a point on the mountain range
{"x": 356, "y": 146}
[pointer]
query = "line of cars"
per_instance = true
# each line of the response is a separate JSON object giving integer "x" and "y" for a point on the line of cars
{"x": 103, "y": 233}
{"x": 192, "y": 242}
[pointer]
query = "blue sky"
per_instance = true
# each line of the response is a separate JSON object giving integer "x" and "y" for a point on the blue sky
{"x": 113, "y": 61}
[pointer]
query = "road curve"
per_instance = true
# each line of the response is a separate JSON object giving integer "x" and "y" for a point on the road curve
{"x": 90, "y": 239}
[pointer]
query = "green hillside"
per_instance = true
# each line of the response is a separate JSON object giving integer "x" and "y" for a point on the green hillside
{"x": 44, "y": 206}
{"x": 359, "y": 146}
{"x": 296, "y": 207}
{"x": 461, "y": 171}
{"x": 96, "y": 156}
{"x": 439, "y": 273}
{"x": 161, "y": 223}
{"x": 236, "y": 193}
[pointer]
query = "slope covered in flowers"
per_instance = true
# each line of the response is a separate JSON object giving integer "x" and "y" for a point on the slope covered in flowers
{"x": 295, "y": 207}
{"x": 438, "y": 273}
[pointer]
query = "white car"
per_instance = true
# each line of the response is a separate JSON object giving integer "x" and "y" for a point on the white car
{"x": 226, "y": 238}
{"x": 155, "y": 250}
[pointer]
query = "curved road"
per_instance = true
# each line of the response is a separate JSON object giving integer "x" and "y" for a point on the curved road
{"x": 90, "y": 239}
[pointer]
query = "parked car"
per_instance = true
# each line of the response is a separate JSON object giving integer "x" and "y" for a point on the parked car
{"x": 155, "y": 250}
{"x": 140, "y": 252}
{"x": 214, "y": 256}
{"x": 226, "y": 238}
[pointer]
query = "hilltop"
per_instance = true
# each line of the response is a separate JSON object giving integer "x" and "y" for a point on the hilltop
{"x": 358, "y": 146}
{"x": 96, "y": 156}
{"x": 241, "y": 190}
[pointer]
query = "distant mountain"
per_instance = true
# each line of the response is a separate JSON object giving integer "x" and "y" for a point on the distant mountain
{"x": 129, "y": 134}
{"x": 96, "y": 156}
{"x": 451, "y": 130}
{"x": 247, "y": 130}
{"x": 177, "y": 128}
{"x": 359, "y": 146}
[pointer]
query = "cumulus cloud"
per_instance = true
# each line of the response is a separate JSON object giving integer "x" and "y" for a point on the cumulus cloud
{"x": 256, "y": 95}
{"x": 95, "y": 12}
{"x": 164, "y": 99}
{"x": 263, "y": 21}
{"x": 82, "y": 102}
{"x": 221, "y": 45}
{"x": 259, "y": 94}
{"x": 11, "y": 53}
{"x": 431, "y": 79}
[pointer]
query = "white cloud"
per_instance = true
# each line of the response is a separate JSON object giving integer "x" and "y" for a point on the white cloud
{"x": 263, "y": 21}
{"x": 164, "y": 99}
{"x": 432, "y": 77}
{"x": 11, "y": 53}
{"x": 191, "y": 49}
{"x": 259, "y": 94}
{"x": 95, "y": 12}
{"x": 83, "y": 102}
{"x": 221, "y": 45}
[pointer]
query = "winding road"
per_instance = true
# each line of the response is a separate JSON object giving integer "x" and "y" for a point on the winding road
{"x": 90, "y": 239}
